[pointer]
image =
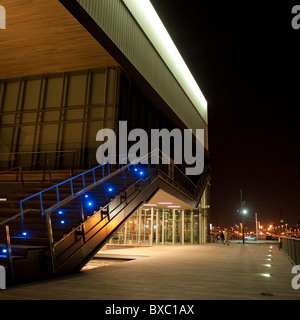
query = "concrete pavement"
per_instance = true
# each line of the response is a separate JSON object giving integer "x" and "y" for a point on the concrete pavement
{"x": 198, "y": 272}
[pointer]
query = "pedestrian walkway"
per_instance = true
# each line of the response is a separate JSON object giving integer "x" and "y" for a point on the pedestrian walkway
{"x": 198, "y": 272}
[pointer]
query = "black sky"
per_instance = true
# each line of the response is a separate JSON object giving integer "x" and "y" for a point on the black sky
{"x": 246, "y": 60}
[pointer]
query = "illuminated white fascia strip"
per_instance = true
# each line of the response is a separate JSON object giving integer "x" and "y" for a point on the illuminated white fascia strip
{"x": 149, "y": 21}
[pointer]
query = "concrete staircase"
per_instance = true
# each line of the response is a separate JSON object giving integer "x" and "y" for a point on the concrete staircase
{"x": 29, "y": 234}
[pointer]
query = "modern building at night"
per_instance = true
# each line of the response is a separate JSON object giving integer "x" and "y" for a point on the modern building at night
{"x": 69, "y": 69}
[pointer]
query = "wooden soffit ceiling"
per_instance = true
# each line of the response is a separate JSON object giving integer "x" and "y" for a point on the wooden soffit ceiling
{"x": 41, "y": 37}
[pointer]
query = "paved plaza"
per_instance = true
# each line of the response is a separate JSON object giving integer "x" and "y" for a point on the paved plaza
{"x": 192, "y": 272}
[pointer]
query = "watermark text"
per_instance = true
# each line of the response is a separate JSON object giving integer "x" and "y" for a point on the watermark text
{"x": 296, "y": 18}
{"x": 184, "y": 150}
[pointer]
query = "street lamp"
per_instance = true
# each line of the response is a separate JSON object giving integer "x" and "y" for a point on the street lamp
{"x": 244, "y": 213}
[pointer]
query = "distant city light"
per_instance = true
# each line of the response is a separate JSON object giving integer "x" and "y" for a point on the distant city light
{"x": 270, "y": 232}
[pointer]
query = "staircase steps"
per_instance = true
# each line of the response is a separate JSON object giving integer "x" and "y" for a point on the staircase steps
{"x": 31, "y": 232}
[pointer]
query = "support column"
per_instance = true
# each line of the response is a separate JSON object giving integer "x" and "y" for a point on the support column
{"x": 163, "y": 227}
{"x": 125, "y": 233}
{"x": 157, "y": 226}
{"x": 139, "y": 225}
{"x": 201, "y": 226}
{"x": 192, "y": 227}
{"x": 205, "y": 224}
{"x": 182, "y": 227}
{"x": 151, "y": 226}
{"x": 173, "y": 226}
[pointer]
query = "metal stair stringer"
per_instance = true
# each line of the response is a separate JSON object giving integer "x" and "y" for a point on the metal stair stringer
{"x": 103, "y": 229}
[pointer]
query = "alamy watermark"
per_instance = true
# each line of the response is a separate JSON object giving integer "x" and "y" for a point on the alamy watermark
{"x": 2, "y": 17}
{"x": 159, "y": 139}
{"x": 296, "y": 18}
{"x": 2, "y": 278}
{"x": 295, "y": 284}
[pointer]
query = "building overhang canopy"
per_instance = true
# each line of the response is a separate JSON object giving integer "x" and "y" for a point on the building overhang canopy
{"x": 132, "y": 31}
{"x": 163, "y": 199}
{"x": 42, "y": 37}
{"x": 149, "y": 21}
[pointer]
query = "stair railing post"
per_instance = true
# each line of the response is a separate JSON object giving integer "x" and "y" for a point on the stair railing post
{"x": 22, "y": 177}
{"x": 70, "y": 164}
{"x": 41, "y": 202}
{"x": 57, "y": 193}
{"x": 51, "y": 241}
{"x": 94, "y": 176}
{"x": 49, "y": 170}
{"x": 17, "y": 174}
{"x": 71, "y": 184}
{"x": 9, "y": 251}
{"x": 81, "y": 209}
{"x": 82, "y": 219}
{"x": 45, "y": 164}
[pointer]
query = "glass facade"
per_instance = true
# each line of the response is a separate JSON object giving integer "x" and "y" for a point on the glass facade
{"x": 162, "y": 226}
{"x": 56, "y": 112}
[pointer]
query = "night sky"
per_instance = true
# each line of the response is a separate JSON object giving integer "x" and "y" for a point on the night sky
{"x": 246, "y": 60}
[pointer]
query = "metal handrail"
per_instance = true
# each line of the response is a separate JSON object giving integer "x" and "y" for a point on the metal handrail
{"x": 5, "y": 222}
{"x": 201, "y": 183}
{"x": 177, "y": 186}
{"x": 61, "y": 183}
{"x": 48, "y": 211}
{"x": 86, "y": 189}
{"x": 46, "y": 167}
{"x": 99, "y": 211}
{"x": 291, "y": 246}
{"x": 81, "y": 226}
{"x": 40, "y": 161}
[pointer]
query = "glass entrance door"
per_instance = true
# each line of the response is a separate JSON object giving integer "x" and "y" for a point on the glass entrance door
{"x": 168, "y": 226}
